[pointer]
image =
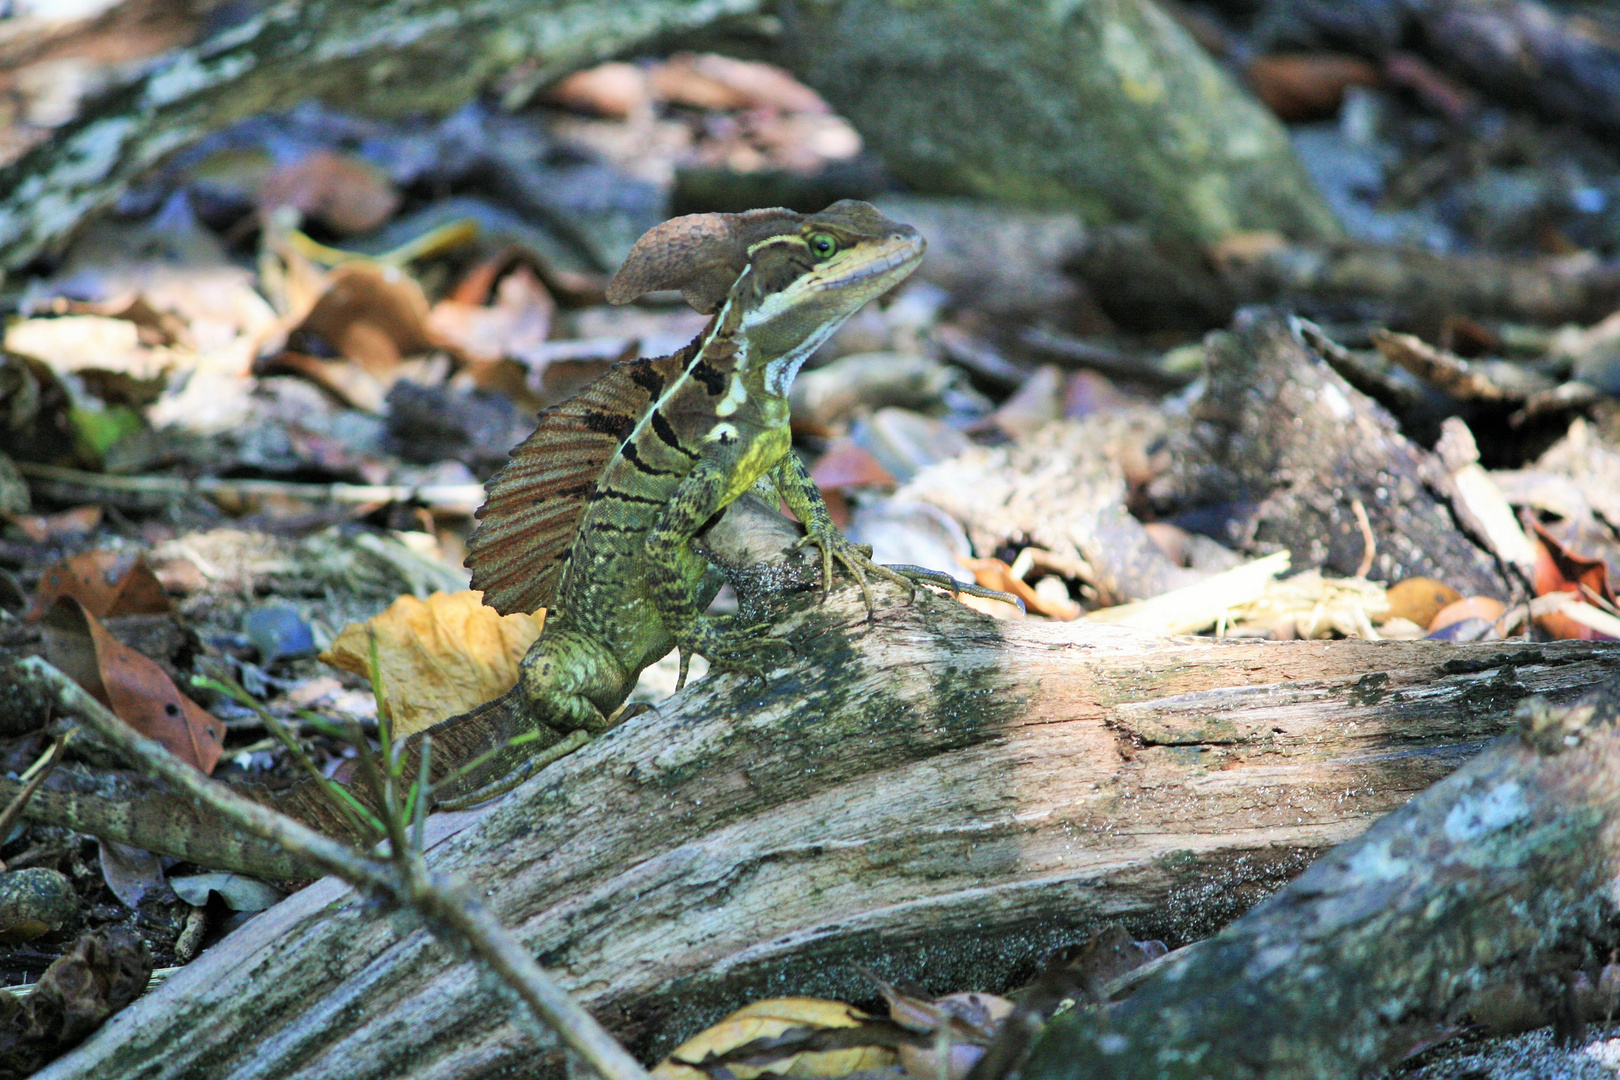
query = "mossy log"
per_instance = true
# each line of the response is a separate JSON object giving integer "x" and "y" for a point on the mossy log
{"x": 1106, "y": 107}
{"x": 932, "y": 794}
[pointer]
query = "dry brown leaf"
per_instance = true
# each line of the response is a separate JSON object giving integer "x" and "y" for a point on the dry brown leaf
{"x": 348, "y": 382}
{"x": 1420, "y": 599}
{"x": 63, "y": 525}
{"x": 995, "y": 574}
{"x": 103, "y": 973}
{"x": 1560, "y": 570}
{"x": 515, "y": 324}
{"x": 1308, "y": 86}
{"x": 375, "y": 315}
{"x": 131, "y": 685}
{"x": 439, "y": 656}
{"x": 108, "y": 583}
{"x": 346, "y": 193}
{"x": 767, "y": 1018}
{"x": 96, "y": 347}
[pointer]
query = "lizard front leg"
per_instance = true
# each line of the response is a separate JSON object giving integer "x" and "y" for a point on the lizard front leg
{"x": 799, "y": 491}
{"x": 673, "y": 566}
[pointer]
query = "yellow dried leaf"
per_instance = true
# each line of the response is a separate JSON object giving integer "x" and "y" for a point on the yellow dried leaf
{"x": 770, "y": 1017}
{"x": 439, "y": 656}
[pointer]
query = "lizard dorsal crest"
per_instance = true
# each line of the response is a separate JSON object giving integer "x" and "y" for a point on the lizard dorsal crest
{"x": 534, "y": 505}
{"x": 699, "y": 254}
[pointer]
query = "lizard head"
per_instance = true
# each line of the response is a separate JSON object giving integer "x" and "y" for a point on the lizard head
{"x": 789, "y": 279}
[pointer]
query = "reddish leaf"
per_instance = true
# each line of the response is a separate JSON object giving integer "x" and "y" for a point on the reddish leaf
{"x": 131, "y": 685}
{"x": 1560, "y": 570}
{"x": 1308, "y": 86}
{"x": 66, "y": 525}
{"x": 108, "y": 583}
{"x": 514, "y": 325}
{"x": 846, "y": 465}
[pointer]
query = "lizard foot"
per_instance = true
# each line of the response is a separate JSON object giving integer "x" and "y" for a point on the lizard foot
{"x": 857, "y": 559}
{"x": 923, "y": 575}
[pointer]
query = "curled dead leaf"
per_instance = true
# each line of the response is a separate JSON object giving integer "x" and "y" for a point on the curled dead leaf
{"x": 995, "y": 574}
{"x": 439, "y": 656}
{"x": 373, "y": 314}
{"x": 515, "y": 325}
{"x": 103, "y": 973}
{"x": 134, "y": 687}
{"x": 1560, "y": 570}
{"x": 1470, "y": 607}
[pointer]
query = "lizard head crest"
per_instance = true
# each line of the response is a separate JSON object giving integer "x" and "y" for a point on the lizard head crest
{"x": 847, "y": 249}
{"x": 699, "y": 254}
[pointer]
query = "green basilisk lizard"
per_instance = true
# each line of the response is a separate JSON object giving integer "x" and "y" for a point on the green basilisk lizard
{"x": 595, "y": 515}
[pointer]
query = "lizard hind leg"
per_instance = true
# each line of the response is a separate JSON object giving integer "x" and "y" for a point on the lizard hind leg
{"x": 572, "y": 682}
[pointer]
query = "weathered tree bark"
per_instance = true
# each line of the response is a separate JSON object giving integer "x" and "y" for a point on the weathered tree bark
{"x": 935, "y": 795}
{"x": 1282, "y": 452}
{"x": 1502, "y": 875}
{"x": 1107, "y": 107}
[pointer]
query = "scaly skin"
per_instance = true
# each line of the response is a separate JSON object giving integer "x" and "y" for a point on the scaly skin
{"x": 634, "y": 588}
{"x": 595, "y": 517}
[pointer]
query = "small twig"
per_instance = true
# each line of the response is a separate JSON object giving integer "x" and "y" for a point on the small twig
{"x": 421, "y": 793}
{"x": 360, "y": 819}
{"x": 461, "y": 498}
{"x": 405, "y": 881}
{"x": 44, "y": 766}
{"x": 1369, "y": 541}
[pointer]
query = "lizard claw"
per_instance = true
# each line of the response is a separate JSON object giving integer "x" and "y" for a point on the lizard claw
{"x": 855, "y": 558}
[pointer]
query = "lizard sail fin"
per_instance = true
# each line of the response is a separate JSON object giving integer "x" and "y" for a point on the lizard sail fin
{"x": 535, "y": 503}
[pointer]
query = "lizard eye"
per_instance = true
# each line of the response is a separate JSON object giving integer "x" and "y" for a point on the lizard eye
{"x": 822, "y": 246}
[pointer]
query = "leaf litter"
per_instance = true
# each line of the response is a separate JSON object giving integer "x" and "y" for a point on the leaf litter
{"x": 285, "y": 326}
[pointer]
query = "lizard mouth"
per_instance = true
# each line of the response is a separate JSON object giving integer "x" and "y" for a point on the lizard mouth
{"x": 905, "y": 252}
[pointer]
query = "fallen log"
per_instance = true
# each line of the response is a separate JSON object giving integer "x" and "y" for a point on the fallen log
{"x": 932, "y": 794}
{"x": 1499, "y": 879}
